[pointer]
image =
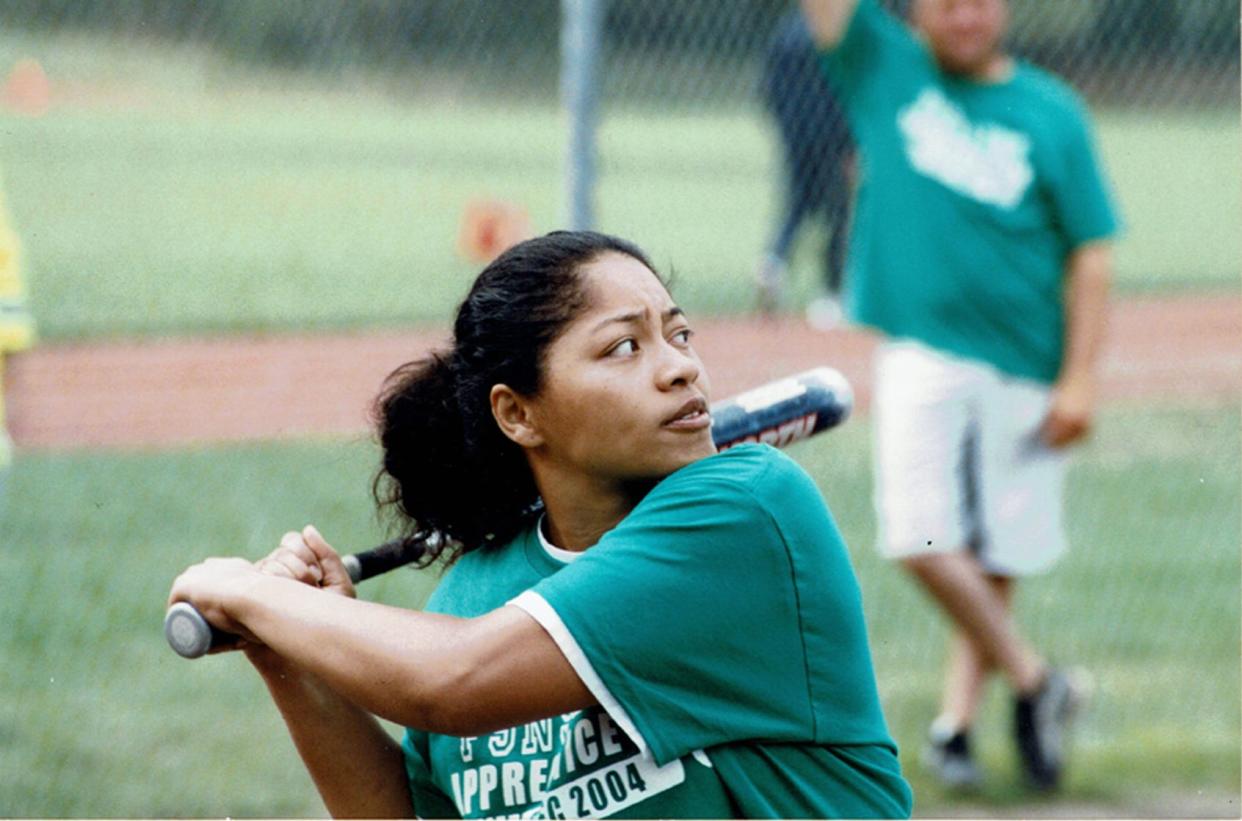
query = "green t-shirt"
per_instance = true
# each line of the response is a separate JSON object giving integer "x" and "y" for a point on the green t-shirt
{"x": 569, "y": 766}
{"x": 720, "y": 626}
{"x": 972, "y": 196}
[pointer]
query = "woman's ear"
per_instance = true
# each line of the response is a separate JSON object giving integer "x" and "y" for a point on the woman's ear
{"x": 513, "y": 413}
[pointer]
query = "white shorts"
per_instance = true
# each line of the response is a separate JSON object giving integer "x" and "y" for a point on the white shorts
{"x": 959, "y": 464}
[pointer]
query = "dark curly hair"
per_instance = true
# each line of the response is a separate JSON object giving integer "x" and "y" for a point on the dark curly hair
{"x": 447, "y": 468}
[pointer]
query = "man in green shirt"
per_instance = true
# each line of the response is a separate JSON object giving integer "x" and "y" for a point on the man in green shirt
{"x": 981, "y": 251}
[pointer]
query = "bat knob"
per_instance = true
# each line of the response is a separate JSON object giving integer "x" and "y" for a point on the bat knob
{"x": 187, "y": 631}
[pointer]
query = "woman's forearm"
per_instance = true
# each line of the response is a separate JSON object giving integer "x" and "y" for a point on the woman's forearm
{"x": 356, "y": 765}
{"x": 389, "y": 661}
{"x": 455, "y": 676}
{"x": 434, "y": 672}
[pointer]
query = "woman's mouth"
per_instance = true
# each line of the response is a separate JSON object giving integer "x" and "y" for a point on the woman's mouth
{"x": 693, "y": 415}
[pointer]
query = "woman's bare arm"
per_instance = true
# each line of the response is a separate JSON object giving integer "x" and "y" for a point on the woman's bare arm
{"x": 357, "y": 767}
{"x": 434, "y": 672}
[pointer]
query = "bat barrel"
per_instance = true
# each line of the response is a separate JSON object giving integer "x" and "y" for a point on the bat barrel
{"x": 784, "y": 411}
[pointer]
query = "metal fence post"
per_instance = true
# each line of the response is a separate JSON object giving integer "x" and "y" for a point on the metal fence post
{"x": 581, "y": 27}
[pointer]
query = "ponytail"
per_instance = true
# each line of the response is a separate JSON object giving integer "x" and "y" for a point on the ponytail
{"x": 435, "y": 479}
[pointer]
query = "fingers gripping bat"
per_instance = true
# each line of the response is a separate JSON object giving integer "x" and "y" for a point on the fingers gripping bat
{"x": 776, "y": 413}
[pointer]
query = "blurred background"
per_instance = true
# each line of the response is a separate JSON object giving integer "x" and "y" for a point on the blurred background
{"x": 229, "y": 168}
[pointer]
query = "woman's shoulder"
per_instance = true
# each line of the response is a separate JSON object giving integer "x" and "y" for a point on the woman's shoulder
{"x": 755, "y": 472}
{"x": 746, "y": 463}
{"x": 747, "y": 498}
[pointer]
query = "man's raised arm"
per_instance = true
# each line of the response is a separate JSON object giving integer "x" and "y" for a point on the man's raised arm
{"x": 828, "y": 19}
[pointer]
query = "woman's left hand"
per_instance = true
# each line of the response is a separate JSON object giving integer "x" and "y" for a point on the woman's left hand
{"x": 214, "y": 587}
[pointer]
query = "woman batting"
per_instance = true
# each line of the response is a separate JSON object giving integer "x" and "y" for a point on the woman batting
{"x": 633, "y": 624}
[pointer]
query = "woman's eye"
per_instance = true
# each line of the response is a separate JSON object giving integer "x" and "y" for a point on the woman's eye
{"x": 625, "y": 347}
{"x": 682, "y": 337}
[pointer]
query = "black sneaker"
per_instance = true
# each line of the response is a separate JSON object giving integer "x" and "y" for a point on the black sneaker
{"x": 1041, "y": 726}
{"x": 947, "y": 757}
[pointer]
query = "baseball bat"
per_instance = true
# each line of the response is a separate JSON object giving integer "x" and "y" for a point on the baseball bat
{"x": 776, "y": 413}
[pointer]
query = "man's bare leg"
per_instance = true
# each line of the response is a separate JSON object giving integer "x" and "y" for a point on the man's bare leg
{"x": 962, "y": 589}
{"x": 968, "y": 669}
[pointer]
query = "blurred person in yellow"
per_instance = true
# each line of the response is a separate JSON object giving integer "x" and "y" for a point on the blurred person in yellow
{"x": 17, "y": 327}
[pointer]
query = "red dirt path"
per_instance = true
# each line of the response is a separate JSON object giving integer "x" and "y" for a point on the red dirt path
{"x": 175, "y": 392}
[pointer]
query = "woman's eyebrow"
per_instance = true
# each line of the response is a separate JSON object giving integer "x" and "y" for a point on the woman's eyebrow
{"x": 625, "y": 319}
{"x": 636, "y": 316}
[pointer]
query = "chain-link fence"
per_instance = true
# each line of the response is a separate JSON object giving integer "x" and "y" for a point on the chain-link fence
{"x": 686, "y": 148}
{"x": 682, "y": 52}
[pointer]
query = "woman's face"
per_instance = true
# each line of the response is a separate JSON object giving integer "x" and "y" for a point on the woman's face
{"x": 625, "y": 396}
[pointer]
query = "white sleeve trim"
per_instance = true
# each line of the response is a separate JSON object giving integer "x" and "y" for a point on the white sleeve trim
{"x": 537, "y": 607}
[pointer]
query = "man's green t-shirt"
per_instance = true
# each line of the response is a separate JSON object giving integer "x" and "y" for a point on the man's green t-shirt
{"x": 720, "y": 627}
{"x": 972, "y": 196}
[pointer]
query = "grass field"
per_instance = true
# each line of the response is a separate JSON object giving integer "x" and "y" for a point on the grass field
{"x": 166, "y": 198}
{"x": 98, "y": 718}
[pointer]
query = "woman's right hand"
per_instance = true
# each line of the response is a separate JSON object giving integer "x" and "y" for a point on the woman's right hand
{"x": 305, "y": 557}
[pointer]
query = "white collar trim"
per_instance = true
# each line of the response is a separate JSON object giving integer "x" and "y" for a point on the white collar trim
{"x": 559, "y": 553}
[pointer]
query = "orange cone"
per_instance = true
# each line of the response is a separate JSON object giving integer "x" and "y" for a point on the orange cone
{"x": 27, "y": 90}
{"x": 491, "y": 227}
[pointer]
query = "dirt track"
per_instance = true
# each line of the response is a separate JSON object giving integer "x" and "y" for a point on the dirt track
{"x": 175, "y": 392}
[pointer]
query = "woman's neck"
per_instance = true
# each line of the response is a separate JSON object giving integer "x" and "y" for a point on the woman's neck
{"x": 580, "y": 512}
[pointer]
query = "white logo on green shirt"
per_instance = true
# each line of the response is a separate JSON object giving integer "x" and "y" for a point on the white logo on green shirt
{"x": 572, "y": 766}
{"x": 988, "y": 163}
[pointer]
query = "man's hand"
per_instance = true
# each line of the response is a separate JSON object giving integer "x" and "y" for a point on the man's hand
{"x": 828, "y": 20}
{"x": 1088, "y": 274}
{"x": 1070, "y": 413}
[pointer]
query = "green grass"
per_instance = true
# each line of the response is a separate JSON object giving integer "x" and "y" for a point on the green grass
{"x": 98, "y": 718}
{"x": 154, "y": 224}
{"x": 171, "y": 194}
